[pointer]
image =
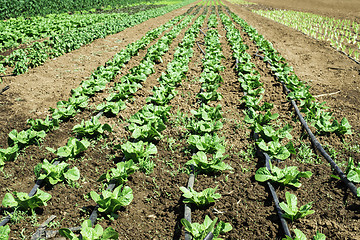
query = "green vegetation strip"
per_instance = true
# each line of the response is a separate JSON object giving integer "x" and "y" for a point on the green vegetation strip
{"x": 37, "y": 54}
{"x": 342, "y": 34}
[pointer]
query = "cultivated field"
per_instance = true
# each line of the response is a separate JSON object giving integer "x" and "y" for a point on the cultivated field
{"x": 184, "y": 102}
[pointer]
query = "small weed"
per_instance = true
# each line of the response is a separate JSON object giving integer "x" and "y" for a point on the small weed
{"x": 306, "y": 155}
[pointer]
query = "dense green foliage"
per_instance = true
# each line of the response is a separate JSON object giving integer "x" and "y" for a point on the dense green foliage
{"x": 29, "y": 8}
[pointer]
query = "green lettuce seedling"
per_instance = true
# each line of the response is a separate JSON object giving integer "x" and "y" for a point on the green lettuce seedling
{"x": 4, "y": 232}
{"x": 92, "y": 127}
{"x": 203, "y": 165}
{"x": 24, "y": 202}
{"x": 199, "y": 231}
{"x": 137, "y": 150}
{"x": 72, "y": 148}
{"x": 56, "y": 173}
{"x": 89, "y": 233}
{"x": 46, "y": 125}
{"x": 291, "y": 210}
{"x": 207, "y": 143}
{"x": 110, "y": 202}
{"x": 203, "y": 198}
{"x": 299, "y": 235}
{"x": 286, "y": 176}
{"x": 121, "y": 173}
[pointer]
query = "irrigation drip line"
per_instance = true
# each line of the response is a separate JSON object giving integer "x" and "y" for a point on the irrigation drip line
{"x": 31, "y": 193}
{"x": 272, "y": 190}
{"x": 319, "y": 147}
{"x": 187, "y": 211}
{"x": 4, "y": 89}
{"x": 41, "y": 233}
{"x": 197, "y": 43}
{"x": 210, "y": 236}
{"x": 202, "y": 32}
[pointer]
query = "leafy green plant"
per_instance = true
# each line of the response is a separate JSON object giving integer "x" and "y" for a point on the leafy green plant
{"x": 63, "y": 111}
{"x": 4, "y": 232}
{"x": 199, "y": 231}
{"x": 43, "y": 125}
{"x": 25, "y": 137}
{"x": 110, "y": 202}
{"x": 121, "y": 173}
{"x": 162, "y": 95}
{"x": 92, "y": 127}
{"x": 137, "y": 151}
{"x": 299, "y": 235}
{"x": 150, "y": 130}
{"x": 275, "y": 149}
{"x": 203, "y": 165}
{"x": 207, "y": 113}
{"x": 352, "y": 171}
{"x": 291, "y": 211}
{"x": 203, "y": 198}
{"x": 207, "y": 143}
{"x": 89, "y": 233}
{"x": 8, "y": 154}
{"x": 285, "y": 176}
{"x": 24, "y": 202}
{"x": 111, "y": 107}
{"x": 202, "y": 127}
{"x": 72, "y": 148}
{"x": 56, "y": 173}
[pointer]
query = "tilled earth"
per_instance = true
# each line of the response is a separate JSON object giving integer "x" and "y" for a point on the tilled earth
{"x": 157, "y": 207}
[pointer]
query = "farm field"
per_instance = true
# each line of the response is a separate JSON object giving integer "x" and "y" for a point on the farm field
{"x": 190, "y": 90}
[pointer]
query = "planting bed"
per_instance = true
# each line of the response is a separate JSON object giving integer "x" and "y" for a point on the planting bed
{"x": 157, "y": 207}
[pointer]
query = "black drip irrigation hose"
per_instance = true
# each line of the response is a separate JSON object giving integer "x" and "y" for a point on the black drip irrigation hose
{"x": 197, "y": 43}
{"x": 187, "y": 211}
{"x": 4, "y": 89}
{"x": 210, "y": 236}
{"x": 202, "y": 32}
{"x": 41, "y": 233}
{"x": 319, "y": 147}
{"x": 31, "y": 193}
{"x": 272, "y": 190}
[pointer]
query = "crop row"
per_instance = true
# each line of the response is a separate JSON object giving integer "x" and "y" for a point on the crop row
{"x": 58, "y": 44}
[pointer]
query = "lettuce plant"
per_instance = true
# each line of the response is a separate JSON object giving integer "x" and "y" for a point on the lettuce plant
{"x": 25, "y": 137}
{"x": 24, "y": 202}
{"x": 4, "y": 232}
{"x": 72, "y": 148}
{"x": 137, "y": 151}
{"x": 121, "y": 173}
{"x": 353, "y": 171}
{"x": 56, "y": 173}
{"x": 199, "y": 231}
{"x": 111, "y": 107}
{"x": 291, "y": 211}
{"x": 299, "y": 235}
{"x": 203, "y": 198}
{"x": 43, "y": 125}
{"x": 207, "y": 143}
{"x": 286, "y": 176}
{"x": 110, "y": 202}
{"x": 63, "y": 111}
{"x": 92, "y": 127}
{"x": 207, "y": 113}
{"x": 202, "y": 127}
{"x": 88, "y": 232}
{"x": 205, "y": 165}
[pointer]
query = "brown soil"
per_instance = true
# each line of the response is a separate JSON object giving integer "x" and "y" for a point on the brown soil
{"x": 157, "y": 207}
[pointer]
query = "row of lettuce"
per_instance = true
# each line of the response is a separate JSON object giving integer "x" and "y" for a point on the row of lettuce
{"x": 135, "y": 152}
{"x": 207, "y": 147}
{"x": 67, "y": 36}
{"x": 31, "y": 8}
